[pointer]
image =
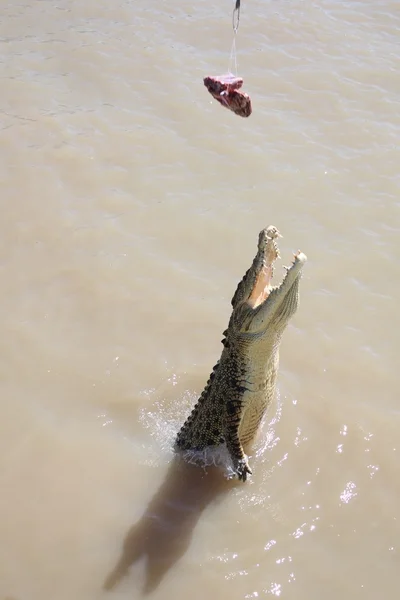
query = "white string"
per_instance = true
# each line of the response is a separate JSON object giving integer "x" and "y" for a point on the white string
{"x": 232, "y": 65}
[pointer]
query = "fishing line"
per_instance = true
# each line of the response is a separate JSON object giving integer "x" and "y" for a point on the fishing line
{"x": 232, "y": 65}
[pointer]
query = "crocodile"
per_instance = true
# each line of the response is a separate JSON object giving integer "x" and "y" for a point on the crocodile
{"x": 242, "y": 383}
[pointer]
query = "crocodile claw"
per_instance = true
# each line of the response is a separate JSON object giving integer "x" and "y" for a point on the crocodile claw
{"x": 242, "y": 469}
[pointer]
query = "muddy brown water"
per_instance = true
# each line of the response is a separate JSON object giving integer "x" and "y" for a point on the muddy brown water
{"x": 131, "y": 204}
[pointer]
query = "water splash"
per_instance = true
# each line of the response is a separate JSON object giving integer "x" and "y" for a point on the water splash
{"x": 165, "y": 419}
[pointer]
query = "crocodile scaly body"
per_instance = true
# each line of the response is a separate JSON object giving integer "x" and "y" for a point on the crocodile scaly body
{"x": 242, "y": 383}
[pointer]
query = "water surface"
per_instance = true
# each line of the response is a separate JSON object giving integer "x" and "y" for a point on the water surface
{"x": 131, "y": 205}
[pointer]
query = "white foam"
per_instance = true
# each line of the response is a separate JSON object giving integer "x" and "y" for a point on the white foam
{"x": 217, "y": 456}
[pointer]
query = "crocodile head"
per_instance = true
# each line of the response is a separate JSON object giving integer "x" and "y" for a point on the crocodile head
{"x": 258, "y": 306}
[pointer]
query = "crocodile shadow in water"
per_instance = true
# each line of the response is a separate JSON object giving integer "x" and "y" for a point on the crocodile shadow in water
{"x": 164, "y": 532}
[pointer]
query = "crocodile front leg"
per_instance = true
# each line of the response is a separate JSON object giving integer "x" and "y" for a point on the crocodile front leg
{"x": 235, "y": 448}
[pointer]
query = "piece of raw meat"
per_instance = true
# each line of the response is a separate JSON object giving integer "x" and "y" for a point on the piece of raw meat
{"x": 226, "y": 90}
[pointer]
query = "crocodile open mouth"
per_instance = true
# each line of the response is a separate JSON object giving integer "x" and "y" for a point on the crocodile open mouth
{"x": 262, "y": 286}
